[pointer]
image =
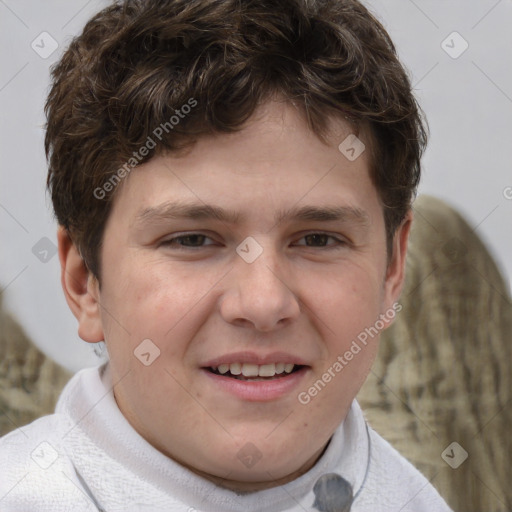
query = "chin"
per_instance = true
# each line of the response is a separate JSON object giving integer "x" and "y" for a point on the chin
{"x": 269, "y": 463}
{"x": 258, "y": 474}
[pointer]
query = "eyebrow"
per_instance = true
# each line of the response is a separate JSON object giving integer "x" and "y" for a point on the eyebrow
{"x": 201, "y": 211}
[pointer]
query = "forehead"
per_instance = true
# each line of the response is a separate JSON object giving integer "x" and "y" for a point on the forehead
{"x": 275, "y": 161}
{"x": 278, "y": 131}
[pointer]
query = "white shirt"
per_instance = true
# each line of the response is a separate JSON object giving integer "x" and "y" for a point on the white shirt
{"x": 87, "y": 457}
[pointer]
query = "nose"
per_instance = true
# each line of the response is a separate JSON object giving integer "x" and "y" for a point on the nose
{"x": 260, "y": 294}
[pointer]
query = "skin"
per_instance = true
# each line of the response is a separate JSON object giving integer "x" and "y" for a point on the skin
{"x": 307, "y": 296}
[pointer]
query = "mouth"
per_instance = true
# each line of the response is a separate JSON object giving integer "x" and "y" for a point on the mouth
{"x": 254, "y": 372}
{"x": 256, "y": 378}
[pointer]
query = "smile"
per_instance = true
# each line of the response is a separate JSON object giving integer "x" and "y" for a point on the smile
{"x": 255, "y": 372}
{"x": 263, "y": 383}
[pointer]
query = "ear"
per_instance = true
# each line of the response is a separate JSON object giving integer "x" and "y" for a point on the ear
{"x": 81, "y": 289}
{"x": 395, "y": 273}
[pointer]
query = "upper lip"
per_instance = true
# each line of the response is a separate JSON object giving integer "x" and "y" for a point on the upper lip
{"x": 254, "y": 358}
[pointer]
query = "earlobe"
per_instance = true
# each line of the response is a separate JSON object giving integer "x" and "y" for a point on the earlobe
{"x": 80, "y": 289}
{"x": 395, "y": 274}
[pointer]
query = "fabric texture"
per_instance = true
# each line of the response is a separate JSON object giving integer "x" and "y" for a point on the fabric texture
{"x": 87, "y": 457}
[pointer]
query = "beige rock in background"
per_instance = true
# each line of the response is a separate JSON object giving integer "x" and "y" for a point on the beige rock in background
{"x": 443, "y": 373}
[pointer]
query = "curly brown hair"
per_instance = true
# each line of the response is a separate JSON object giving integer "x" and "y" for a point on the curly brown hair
{"x": 138, "y": 61}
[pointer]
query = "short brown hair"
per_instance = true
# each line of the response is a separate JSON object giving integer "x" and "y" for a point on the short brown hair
{"x": 138, "y": 61}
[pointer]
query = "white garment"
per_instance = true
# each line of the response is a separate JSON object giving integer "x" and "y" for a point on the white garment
{"x": 89, "y": 436}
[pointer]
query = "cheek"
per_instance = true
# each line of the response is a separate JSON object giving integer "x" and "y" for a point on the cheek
{"x": 351, "y": 305}
{"x": 156, "y": 302}
{"x": 146, "y": 294}
{"x": 349, "y": 300}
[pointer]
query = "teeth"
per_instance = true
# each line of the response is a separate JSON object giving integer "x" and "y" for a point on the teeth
{"x": 250, "y": 370}
{"x": 279, "y": 367}
{"x": 267, "y": 370}
{"x": 223, "y": 368}
{"x": 235, "y": 368}
{"x": 254, "y": 370}
{"x": 288, "y": 367}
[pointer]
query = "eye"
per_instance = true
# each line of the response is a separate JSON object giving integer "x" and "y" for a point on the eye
{"x": 321, "y": 240}
{"x": 185, "y": 241}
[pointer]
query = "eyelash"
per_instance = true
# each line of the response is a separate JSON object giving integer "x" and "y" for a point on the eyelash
{"x": 172, "y": 242}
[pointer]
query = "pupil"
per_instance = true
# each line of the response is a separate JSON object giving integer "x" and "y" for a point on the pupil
{"x": 318, "y": 237}
{"x": 194, "y": 238}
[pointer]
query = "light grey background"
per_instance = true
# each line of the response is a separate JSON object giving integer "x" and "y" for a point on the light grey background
{"x": 467, "y": 100}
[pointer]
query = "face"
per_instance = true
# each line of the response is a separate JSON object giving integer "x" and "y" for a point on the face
{"x": 249, "y": 265}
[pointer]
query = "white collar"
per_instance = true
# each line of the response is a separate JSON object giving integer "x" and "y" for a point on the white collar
{"x": 89, "y": 401}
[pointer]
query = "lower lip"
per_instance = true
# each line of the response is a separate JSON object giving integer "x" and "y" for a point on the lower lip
{"x": 258, "y": 390}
